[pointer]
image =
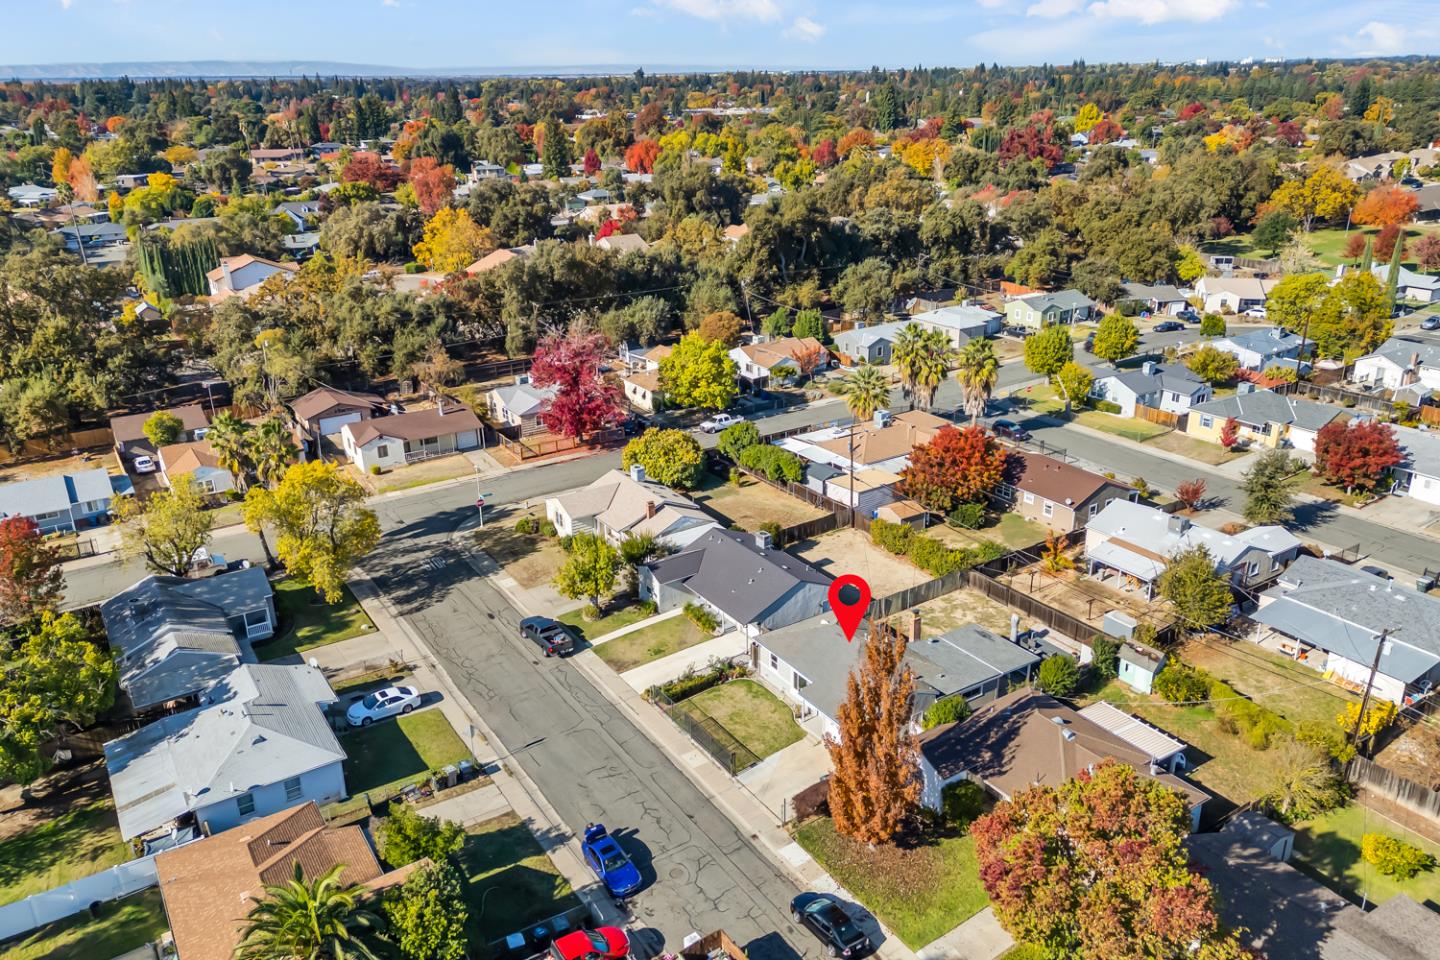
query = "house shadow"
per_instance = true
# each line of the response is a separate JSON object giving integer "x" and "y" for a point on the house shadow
{"x": 771, "y": 946}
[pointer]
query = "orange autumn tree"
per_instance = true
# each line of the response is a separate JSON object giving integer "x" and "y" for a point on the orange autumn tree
{"x": 1385, "y": 206}
{"x": 876, "y": 784}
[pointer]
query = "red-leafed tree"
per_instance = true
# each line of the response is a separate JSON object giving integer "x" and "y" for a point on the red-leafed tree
{"x": 955, "y": 467}
{"x": 1229, "y": 433}
{"x": 1290, "y": 132}
{"x": 649, "y": 119}
{"x": 640, "y": 157}
{"x": 1356, "y": 455}
{"x": 1106, "y": 131}
{"x": 1030, "y": 142}
{"x": 432, "y": 182}
{"x": 30, "y": 577}
{"x": 584, "y": 401}
{"x": 1097, "y": 867}
{"x": 1427, "y": 252}
{"x": 1190, "y": 111}
{"x": 1387, "y": 205}
{"x": 607, "y": 229}
{"x": 1354, "y": 246}
{"x": 824, "y": 155}
{"x": 809, "y": 360}
{"x": 1190, "y": 493}
{"x": 591, "y": 162}
{"x": 367, "y": 167}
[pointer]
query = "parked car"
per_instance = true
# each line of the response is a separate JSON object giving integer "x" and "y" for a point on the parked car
{"x": 552, "y": 636}
{"x": 602, "y": 943}
{"x": 720, "y": 421}
{"x": 1168, "y": 326}
{"x": 1189, "y": 316}
{"x": 390, "y": 702}
{"x": 1257, "y": 312}
{"x": 610, "y": 863}
{"x": 1011, "y": 429}
{"x": 1016, "y": 331}
{"x": 828, "y": 921}
{"x": 144, "y": 464}
{"x": 1431, "y": 322}
{"x": 635, "y": 425}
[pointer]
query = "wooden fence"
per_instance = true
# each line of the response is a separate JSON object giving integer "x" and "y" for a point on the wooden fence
{"x": 528, "y": 448}
{"x": 1336, "y": 394}
{"x": 1162, "y": 417}
{"x": 807, "y": 529}
{"x": 1387, "y": 783}
{"x": 1430, "y": 415}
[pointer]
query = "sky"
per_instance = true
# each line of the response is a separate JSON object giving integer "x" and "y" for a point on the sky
{"x": 495, "y": 34}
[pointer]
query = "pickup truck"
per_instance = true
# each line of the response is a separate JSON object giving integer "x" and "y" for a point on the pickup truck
{"x": 719, "y": 422}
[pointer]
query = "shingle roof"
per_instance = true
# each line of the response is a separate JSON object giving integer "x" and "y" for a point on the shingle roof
{"x": 523, "y": 399}
{"x": 849, "y": 340}
{"x": 1267, "y": 343}
{"x": 1160, "y": 292}
{"x": 622, "y": 503}
{"x": 731, "y": 573}
{"x": 1060, "y": 299}
{"x": 1266, "y": 406}
{"x": 321, "y": 399}
{"x": 1421, "y": 448}
{"x": 878, "y": 444}
{"x": 960, "y": 316}
{"x": 179, "y": 459}
{"x": 1161, "y": 535}
{"x": 780, "y": 351}
{"x": 417, "y": 425}
{"x": 1160, "y": 376}
{"x": 1402, "y": 350}
{"x": 1054, "y": 479}
{"x": 132, "y": 426}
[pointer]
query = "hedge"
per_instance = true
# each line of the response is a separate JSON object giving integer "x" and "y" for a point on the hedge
{"x": 929, "y": 553}
{"x": 1394, "y": 858}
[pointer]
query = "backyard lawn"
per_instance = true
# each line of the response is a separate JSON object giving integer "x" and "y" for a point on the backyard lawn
{"x": 617, "y": 615}
{"x": 1329, "y": 847}
{"x": 850, "y": 551}
{"x": 653, "y": 642}
{"x": 919, "y": 893}
{"x": 1291, "y": 689}
{"x": 753, "y": 503}
{"x": 122, "y": 926}
{"x": 752, "y": 714}
{"x": 76, "y": 843}
{"x": 1008, "y": 529}
{"x": 509, "y": 883}
{"x": 306, "y": 623}
{"x": 388, "y": 755}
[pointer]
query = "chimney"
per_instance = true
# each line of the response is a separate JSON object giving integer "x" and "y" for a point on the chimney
{"x": 440, "y": 403}
{"x": 1148, "y": 368}
{"x": 649, "y": 509}
{"x": 225, "y": 268}
{"x": 1015, "y": 628}
{"x": 637, "y": 473}
{"x": 914, "y": 626}
{"x": 763, "y": 539}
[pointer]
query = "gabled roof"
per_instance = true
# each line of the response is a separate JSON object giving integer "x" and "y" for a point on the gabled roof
{"x": 236, "y": 264}
{"x": 1404, "y": 351}
{"x": 322, "y": 399}
{"x": 55, "y": 493}
{"x": 1159, "y": 292}
{"x": 416, "y": 425}
{"x": 261, "y": 725}
{"x": 131, "y": 427}
{"x": 523, "y": 399}
{"x": 775, "y": 352}
{"x": 1058, "y": 300}
{"x": 960, "y": 316}
{"x": 178, "y": 459}
{"x": 500, "y": 257}
{"x": 1267, "y": 343}
{"x": 862, "y": 337}
{"x": 1054, "y": 479}
{"x": 731, "y": 573}
{"x": 1247, "y": 288}
{"x": 1156, "y": 536}
{"x": 1265, "y": 406}
{"x": 623, "y": 503}
{"x": 878, "y": 444}
{"x": 1154, "y": 377}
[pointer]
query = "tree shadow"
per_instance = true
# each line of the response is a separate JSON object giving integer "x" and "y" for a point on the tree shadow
{"x": 1312, "y": 514}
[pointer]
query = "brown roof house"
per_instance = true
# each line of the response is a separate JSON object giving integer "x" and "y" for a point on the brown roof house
{"x": 446, "y": 428}
{"x": 1057, "y": 494}
{"x": 1027, "y": 738}
{"x": 129, "y": 430}
{"x": 759, "y": 363}
{"x": 324, "y": 410}
{"x": 197, "y": 462}
{"x": 241, "y": 276}
{"x": 209, "y": 886}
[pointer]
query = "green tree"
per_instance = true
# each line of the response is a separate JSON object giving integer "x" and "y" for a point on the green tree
{"x": 1212, "y": 325}
{"x": 1269, "y": 487}
{"x": 737, "y": 438}
{"x": 1292, "y": 301}
{"x": 671, "y": 457}
{"x": 554, "y": 150}
{"x": 1303, "y": 782}
{"x": 1392, "y": 276}
{"x": 272, "y": 450}
{"x": 951, "y": 709}
{"x": 1200, "y": 595}
{"x": 427, "y": 914}
{"x": 1115, "y": 339}
{"x": 1352, "y": 319}
{"x": 1074, "y": 381}
{"x": 866, "y": 391}
{"x": 779, "y": 323}
{"x": 699, "y": 373}
{"x": 1058, "y": 676}
{"x": 977, "y": 370}
{"x": 636, "y": 550}
{"x": 921, "y": 356}
{"x": 864, "y": 288}
{"x": 1049, "y": 350}
{"x": 316, "y": 920}
{"x": 407, "y": 835}
{"x": 322, "y": 524}
{"x": 589, "y": 571}
{"x": 1105, "y": 657}
{"x": 1191, "y": 266}
{"x": 57, "y": 680}
{"x": 163, "y": 428}
{"x": 1273, "y": 231}
{"x": 810, "y": 323}
{"x": 228, "y": 437}
{"x": 1212, "y": 365}
{"x": 168, "y": 530}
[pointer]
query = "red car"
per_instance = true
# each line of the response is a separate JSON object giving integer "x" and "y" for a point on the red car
{"x": 602, "y": 943}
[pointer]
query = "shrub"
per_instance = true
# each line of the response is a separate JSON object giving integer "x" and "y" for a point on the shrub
{"x": 1394, "y": 858}
{"x": 968, "y": 515}
{"x": 1327, "y": 738}
{"x": 773, "y": 528}
{"x": 374, "y": 469}
{"x": 701, "y": 617}
{"x": 1058, "y": 676}
{"x": 962, "y": 803}
{"x": 935, "y": 558}
{"x": 646, "y": 607}
{"x": 547, "y": 529}
{"x": 1142, "y": 487}
{"x": 943, "y": 711}
{"x": 1106, "y": 406}
{"x": 591, "y": 613}
{"x": 774, "y": 463}
{"x": 1181, "y": 683}
{"x": 1105, "y": 657}
{"x": 527, "y": 525}
{"x": 1212, "y": 325}
{"x": 407, "y": 836}
{"x": 894, "y": 537}
{"x": 566, "y": 542}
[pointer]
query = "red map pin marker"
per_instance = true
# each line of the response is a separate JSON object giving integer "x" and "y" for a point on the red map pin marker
{"x": 849, "y": 599}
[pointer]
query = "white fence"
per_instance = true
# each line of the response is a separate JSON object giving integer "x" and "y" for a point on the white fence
{"x": 39, "y": 909}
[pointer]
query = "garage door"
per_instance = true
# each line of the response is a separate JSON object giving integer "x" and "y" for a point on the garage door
{"x": 329, "y": 425}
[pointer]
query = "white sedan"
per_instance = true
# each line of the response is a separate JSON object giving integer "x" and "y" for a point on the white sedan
{"x": 390, "y": 702}
{"x": 145, "y": 465}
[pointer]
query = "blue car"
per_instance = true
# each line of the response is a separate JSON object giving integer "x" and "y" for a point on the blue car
{"x": 611, "y": 864}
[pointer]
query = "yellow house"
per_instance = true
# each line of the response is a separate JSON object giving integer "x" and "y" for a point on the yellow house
{"x": 1262, "y": 418}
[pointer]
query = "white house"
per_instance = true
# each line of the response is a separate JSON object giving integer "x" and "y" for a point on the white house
{"x": 619, "y": 504}
{"x": 394, "y": 441}
{"x": 1260, "y": 349}
{"x": 961, "y": 322}
{"x": 1161, "y": 386}
{"x": 777, "y": 360}
{"x": 62, "y": 501}
{"x": 520, "y": 404}
{"x": 1421, "y": 287}
{"x": 1038, "y": 310}
{"x": 241, "y": 276}
{"x": 867, "y": 344}
{"x": 1418, "y": 475}
{"x": 32, "y": 195}
{"x": 1156, "y": 297}
{"x": 1400, "y": 362}
{"x": 1232, "y": 294}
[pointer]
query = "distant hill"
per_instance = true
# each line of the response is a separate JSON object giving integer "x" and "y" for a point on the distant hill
{"x": 144, "y": 69}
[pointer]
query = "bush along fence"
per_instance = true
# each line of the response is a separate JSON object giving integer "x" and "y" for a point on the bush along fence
{"x": 1397, "y": 789}
{"x": 710, "y": 734}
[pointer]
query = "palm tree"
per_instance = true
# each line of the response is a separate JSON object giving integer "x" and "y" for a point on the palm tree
{"x": 866, "y": 391}
{"x": 978, "y": 371}
{"x": 317, "y": 920}
{"x": 229, "y": 437}
{"x": 272, "y": 450}
{"x": 922, "y": 357}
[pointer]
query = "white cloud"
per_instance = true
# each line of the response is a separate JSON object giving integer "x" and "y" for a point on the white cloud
{"x": 65, "y": 4}
{"x": 1159, "y": 11}
{"x": 722, "y": 11}
{"x": 390, "y": 3}
{"x": 805, "y": 30}
{"x": 1382, "y": 38}
{"x": 1054, "y": 9}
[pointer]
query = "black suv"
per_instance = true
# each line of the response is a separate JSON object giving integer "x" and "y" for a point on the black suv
{"x": 1010, "y": 429}
{"x": 826, "y": 919}
{"x": 552, "y": 636}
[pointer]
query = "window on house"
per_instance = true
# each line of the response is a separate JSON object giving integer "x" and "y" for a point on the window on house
{"x": 1094, "y": 509}
{"x": 799, "y": 682}
{"x": 292, "y": 789}
{"x": 1029, "y": 497}
{"x": 205, "y": 486}
{"x": 1253, "y": 568}
{"x": 774, "y": 662}
{"x": 382, "y": 451}
{"x": 1049, "y": 509}
{"x": 1207, "y": 422}
{"x": 1174, "y": 398}
{"x": 245, "y": 803}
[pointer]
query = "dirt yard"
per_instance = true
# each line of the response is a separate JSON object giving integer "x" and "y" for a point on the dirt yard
{"x": 850, "y": 551}
{"x": 1415, "y": 754}
{"x": 530, "y": 558}
{"x": 753, "y": 503}
{"x": 1084, "y": 597}
{"x": 953, "y": 610}
{"x": 12, "y": 470}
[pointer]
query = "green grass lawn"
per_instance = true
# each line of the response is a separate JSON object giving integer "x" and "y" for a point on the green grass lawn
{"x": 618, "y": 614}
{"x": 123, "y": 925}
{"x": 1130, "y": 429}
{"x": 652, "y": 643}
{"x": 1316, "y": 487}
{"x": 305, "y": 624}
{"x": 75, "y": 844}
{"x": 1329, "y": 847}
{"x": 919, "y": 893}
{"x": 1200, "y": 451}
{"x": 388, "y": 755}
{"x": 509, "y": 882}
{"x": 1291, "y": 689}
{"x": 752, "y": 714}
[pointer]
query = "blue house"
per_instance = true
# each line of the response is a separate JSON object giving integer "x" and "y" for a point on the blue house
{"x": 65, "y": 501}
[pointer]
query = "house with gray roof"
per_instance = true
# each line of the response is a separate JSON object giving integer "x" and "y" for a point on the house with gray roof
{"x": 748, "y": 583}
{"x": 1260, "y": 349}
{"x": 1400, "y": 362}
{"x": 620, "y": 504}
{"x": 1332, "y": 617}
{"x": 1038, "y": 310}
{"x": 1156, "y": 297}
{"x": 1136, "y": 541}
{"x": 868, "y": 344}
{"x": 1418, "y": 475}
{"x": 809, "y": 664}
{"x": 173, "y": 638}
{"x": 1263, "y": 418}
{"x": 520, "y": 404}
{"x": 961, "y": 322}
{"x": 63, "y": 501}
{"x": 1170, "y": 387}
{"x": 259, "y": 743}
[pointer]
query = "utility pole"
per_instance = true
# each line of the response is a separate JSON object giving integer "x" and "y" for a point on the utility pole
{"x": 1369, "y": 684}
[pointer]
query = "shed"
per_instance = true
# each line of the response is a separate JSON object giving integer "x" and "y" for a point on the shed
{"x": 1139, "y": 665}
